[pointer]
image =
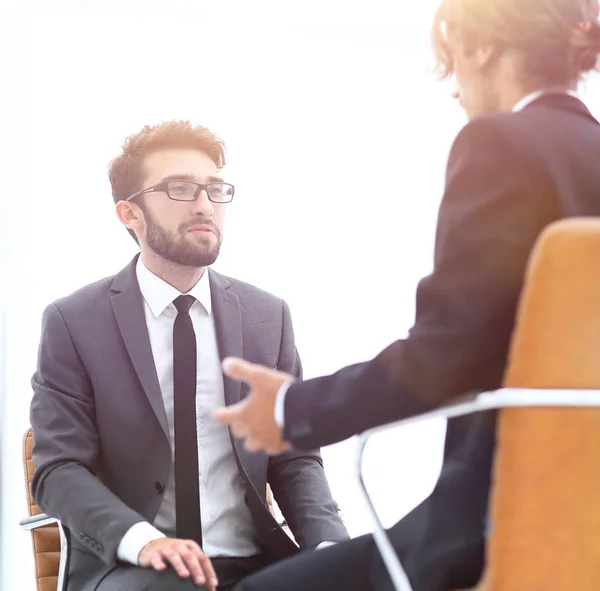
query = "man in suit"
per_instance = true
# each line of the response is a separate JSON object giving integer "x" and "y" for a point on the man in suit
{"x": 529, "y": 156}
{"x": 129, "y": 372}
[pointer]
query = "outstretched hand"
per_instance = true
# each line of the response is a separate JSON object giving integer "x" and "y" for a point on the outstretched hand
{"x": 253, "y": 419}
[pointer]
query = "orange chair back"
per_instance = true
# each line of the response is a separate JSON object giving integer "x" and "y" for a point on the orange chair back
{"x": 545, "y": 502}
{"x": 46, "y": 540}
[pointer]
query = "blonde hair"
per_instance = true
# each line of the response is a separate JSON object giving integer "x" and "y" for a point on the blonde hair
{"x": 558, "y": 41}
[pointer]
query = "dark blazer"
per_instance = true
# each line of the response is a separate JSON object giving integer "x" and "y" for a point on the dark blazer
{"x": 102, "y": 452}
{"x": 509, "y": 175}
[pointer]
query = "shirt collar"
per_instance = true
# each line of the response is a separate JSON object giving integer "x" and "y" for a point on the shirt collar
{"x": 534, "y": 96}
{"x": 158, "y": 294}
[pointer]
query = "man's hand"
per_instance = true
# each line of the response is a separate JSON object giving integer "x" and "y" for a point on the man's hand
{"x": 253, "y": 419}
{"x": 185, "y": 556}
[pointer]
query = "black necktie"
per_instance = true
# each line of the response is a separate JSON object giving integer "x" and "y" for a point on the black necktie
{"x": 187, "y": 486}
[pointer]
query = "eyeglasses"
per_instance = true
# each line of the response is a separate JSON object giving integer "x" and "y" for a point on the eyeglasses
{"x": 190, "y": 191}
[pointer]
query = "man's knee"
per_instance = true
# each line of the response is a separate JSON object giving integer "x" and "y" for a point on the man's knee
{"x": 169, "y": 580}
{"x": 135, "y": 578}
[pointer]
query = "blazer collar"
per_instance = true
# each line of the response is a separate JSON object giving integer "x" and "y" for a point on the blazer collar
{"x": 228, "y": 327}
{"x": 563, "y": 101}
{"x": 128, "y": 308}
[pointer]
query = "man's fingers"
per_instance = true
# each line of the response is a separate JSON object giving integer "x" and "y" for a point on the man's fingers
{"x": 200, "y": 566}
{"x": 252, "y": 444}
{"x": 157, "y": 562}
{"x": 275, "y": 450}
{"x": 191, "y": 561}
{"x": 185, "y": 556}
{"x": 230, "y": 415}
{"x": 209, "y": 571}
{"x": 240, "y": 429}
{"x": 238, "y": 369}
{"x": 177, "y": 563}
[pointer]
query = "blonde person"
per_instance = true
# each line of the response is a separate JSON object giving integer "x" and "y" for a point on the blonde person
{"x": 530, "y": 155}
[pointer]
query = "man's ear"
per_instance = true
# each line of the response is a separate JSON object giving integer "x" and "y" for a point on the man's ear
{"x": 486, "y": 55}
{"x": 130, "y": 215}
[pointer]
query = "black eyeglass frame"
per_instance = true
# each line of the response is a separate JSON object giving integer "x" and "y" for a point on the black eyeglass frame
{"x": 164, "y": 188}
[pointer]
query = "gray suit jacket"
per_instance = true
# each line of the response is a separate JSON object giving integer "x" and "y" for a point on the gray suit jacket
{"x": 102, "y": 451}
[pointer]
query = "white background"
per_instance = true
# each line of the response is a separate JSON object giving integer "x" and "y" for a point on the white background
{"x": 337, "y": 135}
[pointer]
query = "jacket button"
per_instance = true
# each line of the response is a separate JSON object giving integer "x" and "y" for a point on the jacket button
{"x": 159, "y": 487}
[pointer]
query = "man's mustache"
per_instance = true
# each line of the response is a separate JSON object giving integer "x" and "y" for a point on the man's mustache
{"x": 202, "y": 222}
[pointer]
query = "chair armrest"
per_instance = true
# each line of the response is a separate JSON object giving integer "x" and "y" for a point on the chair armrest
{"x": 36, "y": 521}
{"x": 503, "y": 398}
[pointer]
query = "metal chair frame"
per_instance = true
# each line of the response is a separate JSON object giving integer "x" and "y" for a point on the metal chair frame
{"x": 493, "y": 400}
{"x": 42, "y": 520}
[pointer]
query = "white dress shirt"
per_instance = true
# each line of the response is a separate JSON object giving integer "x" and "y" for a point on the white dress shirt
{"x": 227, "y": 527}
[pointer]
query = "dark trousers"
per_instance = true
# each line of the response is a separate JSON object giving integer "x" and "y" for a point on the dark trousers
{"x": 356, "y": 565}
{"x": 346, "y": 566}
{"x": 134, "y": 578}
{"x": 440, "y": 543}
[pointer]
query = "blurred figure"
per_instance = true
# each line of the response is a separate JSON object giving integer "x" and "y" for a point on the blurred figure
{"x": 129, "y": 373}
{"x": 530, "y": 155}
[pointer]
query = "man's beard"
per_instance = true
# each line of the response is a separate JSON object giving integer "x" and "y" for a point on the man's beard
{"x": 181, "y": 251}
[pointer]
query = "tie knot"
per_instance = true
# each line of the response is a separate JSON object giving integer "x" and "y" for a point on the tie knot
{"x": 184, "y": 303}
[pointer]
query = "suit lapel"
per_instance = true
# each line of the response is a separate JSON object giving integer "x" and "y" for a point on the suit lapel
{"x": 128, "y": 307}
{"x": 228, "y": 327}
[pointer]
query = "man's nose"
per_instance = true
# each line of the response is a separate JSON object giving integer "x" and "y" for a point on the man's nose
{"x": 203, "y": 205}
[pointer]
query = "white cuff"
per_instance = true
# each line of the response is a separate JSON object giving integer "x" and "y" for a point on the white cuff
{"x": 280, "y": 404}
{"x": 325, "y": 545}
{"x": 136, "y": 537}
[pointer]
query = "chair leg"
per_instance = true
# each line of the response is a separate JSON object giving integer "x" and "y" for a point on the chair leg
{"x": 65, "y": 555}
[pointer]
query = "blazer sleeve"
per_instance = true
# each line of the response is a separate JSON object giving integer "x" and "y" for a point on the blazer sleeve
{"x": 66, "y": 446}
{"x": 497, "y": 200}
{"x": 297, "y": 478}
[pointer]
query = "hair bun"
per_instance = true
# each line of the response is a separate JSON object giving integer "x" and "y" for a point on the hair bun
{"x": 595, "y": 33}
{"x": 587, "y": 46}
